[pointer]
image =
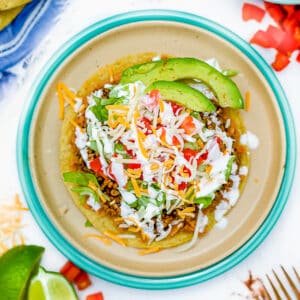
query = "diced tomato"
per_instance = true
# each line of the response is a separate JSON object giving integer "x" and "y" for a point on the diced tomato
{"x": 252, "y": 12}
{"x": 110, "y": 173}
{"x": 176, "y": 108}
{"x": 202, "y": 158}
{"x": 276, "y": 35}
{"x": 290, "y": 24}
{"x": 95, "y": 165}
{"x": 97, "y": 296}
{"x": 275, "y": 11}
{"x": 83, "y": 281}
{"x": 155, "y": 94}
{"x": 188, "y": 125}
{"x": 189, "y": 153}
{"x": 152, "y": 100}
{"x": 218, "y": 140}
{"x": 298, "y": 57}
{"x": 175, "y": 141}
{"x": 261, "y": 38}
{"x": 288, "y": 45}
{"x": 186, "y": 170}
{"x": 182, "y": 186}
{"x": 289, "y": 8}
{"x": 70, "y": 271}
{"x": 134, "y": 166}
{"x": 147, "y": 124}
{"x": 281, "y": 61}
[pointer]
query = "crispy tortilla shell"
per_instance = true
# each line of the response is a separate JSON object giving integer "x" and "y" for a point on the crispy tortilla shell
{"x": 68, "y": 158}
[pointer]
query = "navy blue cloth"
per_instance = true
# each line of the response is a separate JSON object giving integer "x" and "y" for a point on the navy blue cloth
{"x": 21, "y": 37}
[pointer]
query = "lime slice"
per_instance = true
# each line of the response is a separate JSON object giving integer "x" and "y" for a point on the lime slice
{"x": 50, "y": 286}
{"x": 16, "y": 268}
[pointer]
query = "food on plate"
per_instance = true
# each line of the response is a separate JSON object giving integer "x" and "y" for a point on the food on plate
{"x": 151, "y": 149}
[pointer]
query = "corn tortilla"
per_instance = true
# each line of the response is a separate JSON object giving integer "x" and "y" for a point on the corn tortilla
{"x": 68, "y": 151}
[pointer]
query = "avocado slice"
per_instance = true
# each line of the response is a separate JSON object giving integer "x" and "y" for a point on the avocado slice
{"x": 182, "y": 94}
{"x": 225, "y": 90}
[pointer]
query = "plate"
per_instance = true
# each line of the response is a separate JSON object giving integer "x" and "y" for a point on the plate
{"x": 290, "y": 2}
{"x": 272, "y": 164}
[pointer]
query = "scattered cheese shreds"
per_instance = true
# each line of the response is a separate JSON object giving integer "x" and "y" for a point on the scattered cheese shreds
{"x": 11, "y": 224}
{"x": 101, "y": 238}
{"x": 247, "y": 101}
{"x": 149, "y": 251}
{"x": 115, "y": 238}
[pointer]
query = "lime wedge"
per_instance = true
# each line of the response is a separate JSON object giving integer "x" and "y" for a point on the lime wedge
{"x": 16, "y": 268}
{"x": 50, "y": 286}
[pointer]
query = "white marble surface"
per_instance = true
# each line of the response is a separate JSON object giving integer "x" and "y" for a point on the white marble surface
{"x": 281, "y": 246}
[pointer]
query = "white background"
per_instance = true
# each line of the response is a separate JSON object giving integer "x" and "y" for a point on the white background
{"x": 280, "y": 247}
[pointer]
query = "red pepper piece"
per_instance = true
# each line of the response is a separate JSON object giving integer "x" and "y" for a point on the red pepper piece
{"x": 97, "y": 296}
{"x": 298, "y": 57}
{"x": 276, "y": 35}
{"x": 290, "y": 24}
{"x": 290, "y": 8}
{"x": 288, "y": 44}
{"x": 252, "y": 12}
{"x": 70, "y": 271}
{"x": 261, "y": 38}
{"x": 96, "y": 166}
{"x": 275, "y": 11}
{"x": 83, "y": 281}
{"x": 281, "y": 61}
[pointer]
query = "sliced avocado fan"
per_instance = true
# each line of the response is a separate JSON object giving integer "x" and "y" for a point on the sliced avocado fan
{"x": 172, "y": 69}
{"x": 182, "y": 94}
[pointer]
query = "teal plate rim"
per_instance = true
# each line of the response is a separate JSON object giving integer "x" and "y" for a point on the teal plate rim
{"x": 56, "y": 237}
{"x": 290, "y": 2}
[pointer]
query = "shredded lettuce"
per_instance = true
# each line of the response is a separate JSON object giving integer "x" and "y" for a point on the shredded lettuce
{"x": 80, "y": 178}
{"x": 205, "y": 201}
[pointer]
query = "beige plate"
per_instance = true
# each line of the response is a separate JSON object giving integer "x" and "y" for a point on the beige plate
{"x": 263, "y": 119}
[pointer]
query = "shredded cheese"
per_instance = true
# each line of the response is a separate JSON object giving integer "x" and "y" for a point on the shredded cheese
{"x": 149, "y": 251}
{"x": 115, "y": 238}
{"x": 75, "y": 124}
{"x": 247, "y": 101}
{"x": 136, "y": 187}
{"x": 101, "y": 238}
{"x": 11, "y": 224}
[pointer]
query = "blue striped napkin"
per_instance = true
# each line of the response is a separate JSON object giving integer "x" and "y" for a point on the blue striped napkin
{"x": 21, "y": 37}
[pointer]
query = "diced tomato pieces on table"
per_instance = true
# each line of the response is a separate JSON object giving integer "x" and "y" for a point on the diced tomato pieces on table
{"x": 275, "y": 11}
{"x": 82, "y": 281}
{"x": 252, "y": 12}
{"x": 97, "y": 296}
{"x": 70, "y": 271}
{"x": 281, "y": 61}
